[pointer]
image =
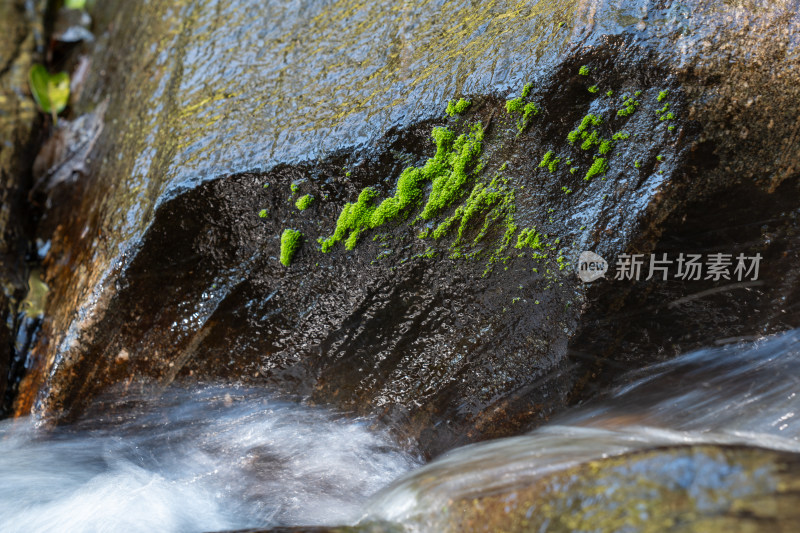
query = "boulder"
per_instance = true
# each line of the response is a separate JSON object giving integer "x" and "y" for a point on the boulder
{"x": 430, "y": 276}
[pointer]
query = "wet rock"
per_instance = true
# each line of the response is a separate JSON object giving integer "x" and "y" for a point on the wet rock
{"x": 19, "y": 30}
{"x": 166, "y": 256}
{"x": 689, "y": 488}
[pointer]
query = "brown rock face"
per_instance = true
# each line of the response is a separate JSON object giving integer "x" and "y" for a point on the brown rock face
{"x": 163, "y": 270}
{"x": 18, "y": 121}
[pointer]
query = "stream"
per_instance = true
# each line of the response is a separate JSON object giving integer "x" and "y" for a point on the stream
{"x": 224, "y": 458}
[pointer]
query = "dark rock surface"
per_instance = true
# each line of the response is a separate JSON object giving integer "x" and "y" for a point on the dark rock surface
{"x": 163, "y": 270}
{"x": 20, "y": 42}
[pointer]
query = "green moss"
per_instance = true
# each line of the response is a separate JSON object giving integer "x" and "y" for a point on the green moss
{"x": 550, "y": 161}
{"x": 593, "y": 89}
{"x": 529, "y": 111}
{"x": 518, "y": 106}
{"x": 526, "y": 91}
{"x": 637, "y": 164}
{"x": 529, "y": 238}
{"x": 610, "y": 93}
{"x": 573, "y": 136}
{"x": 515, "y": 105}
{"x": 447, "y": 170}
{"x": 457, "y": 107}
{"x": 671, "y": 128}
{"x": 583, "y": 71}
{"x": 294, "y": 187}
{"x": 637, "y": 93}
{"x": 663, "y": 109}
{"x": 262, "y": 213}
{"x": 629, "y": 107}
{"x": 290, "y": 242}
{"x": 591, "y": 141}
{"x": 582, "y": 132}
{"x": 354, "y": 219}
{"x": 566, "y": 190}
{"x": 449, "y": 181}
{"x": 599, "y": 167}
{"x": 660, "y": 157}
{"x": 605, "y": 147}
{"x": 589, "y": 120}
{"x": 662, "y": 95}
{"x": 304, "y": 202}
{"x": 621, "y": 136}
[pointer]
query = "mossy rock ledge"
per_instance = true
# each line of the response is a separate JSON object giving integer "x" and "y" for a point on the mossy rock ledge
{"x": 433, "y": 280}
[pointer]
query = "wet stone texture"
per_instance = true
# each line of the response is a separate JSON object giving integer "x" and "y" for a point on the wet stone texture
{"x": 165, "y": 258}
{"x": 690, "y": 488}
{"x": 19, "y": 32}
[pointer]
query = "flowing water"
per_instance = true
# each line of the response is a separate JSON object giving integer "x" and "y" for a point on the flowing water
{"x": 739, "y": 394}
{"x": 207, "y": 460}
{"x": 216, "y": 458}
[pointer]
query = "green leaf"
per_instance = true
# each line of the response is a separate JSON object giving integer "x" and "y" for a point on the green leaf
{"x": 74, "y": 4}
{"x": 51, "y": 91}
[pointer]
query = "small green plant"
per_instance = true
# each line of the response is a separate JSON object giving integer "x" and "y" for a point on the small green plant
{"x": 598, "y": 168}
{"x": 262, "y": 213}
{"x": 290, "y": 242}
{"x": 457, "y": 107}
{"x": 662, "y": 95}
{"x": 51, "y": 91}
{"x": 550, "y": 161}
{"x": 294, "y": 187}
{"x": 526, "y": 91}
{"x": 583, "y": 71}
{"x": 304, "y": 202}
{"x": 566, "y": 190}
{"x": 610, "y": 93}
{"x": 629, "y": 108}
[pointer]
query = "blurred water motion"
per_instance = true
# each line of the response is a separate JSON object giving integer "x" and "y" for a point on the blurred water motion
{"x": 743, "y": 394}
{"x": 202, "y": 460}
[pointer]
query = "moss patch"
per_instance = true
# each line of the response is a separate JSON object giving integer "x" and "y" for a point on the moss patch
{"x": 598, "y": 168}
{"x": 447, "y": 170}
{"x": 304, "y": 202}
{"x": 457, "y": 107}
{"x": 290, "y": 243}
{"x": 550, "y": 161}
{"x": 520, "y": 107}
